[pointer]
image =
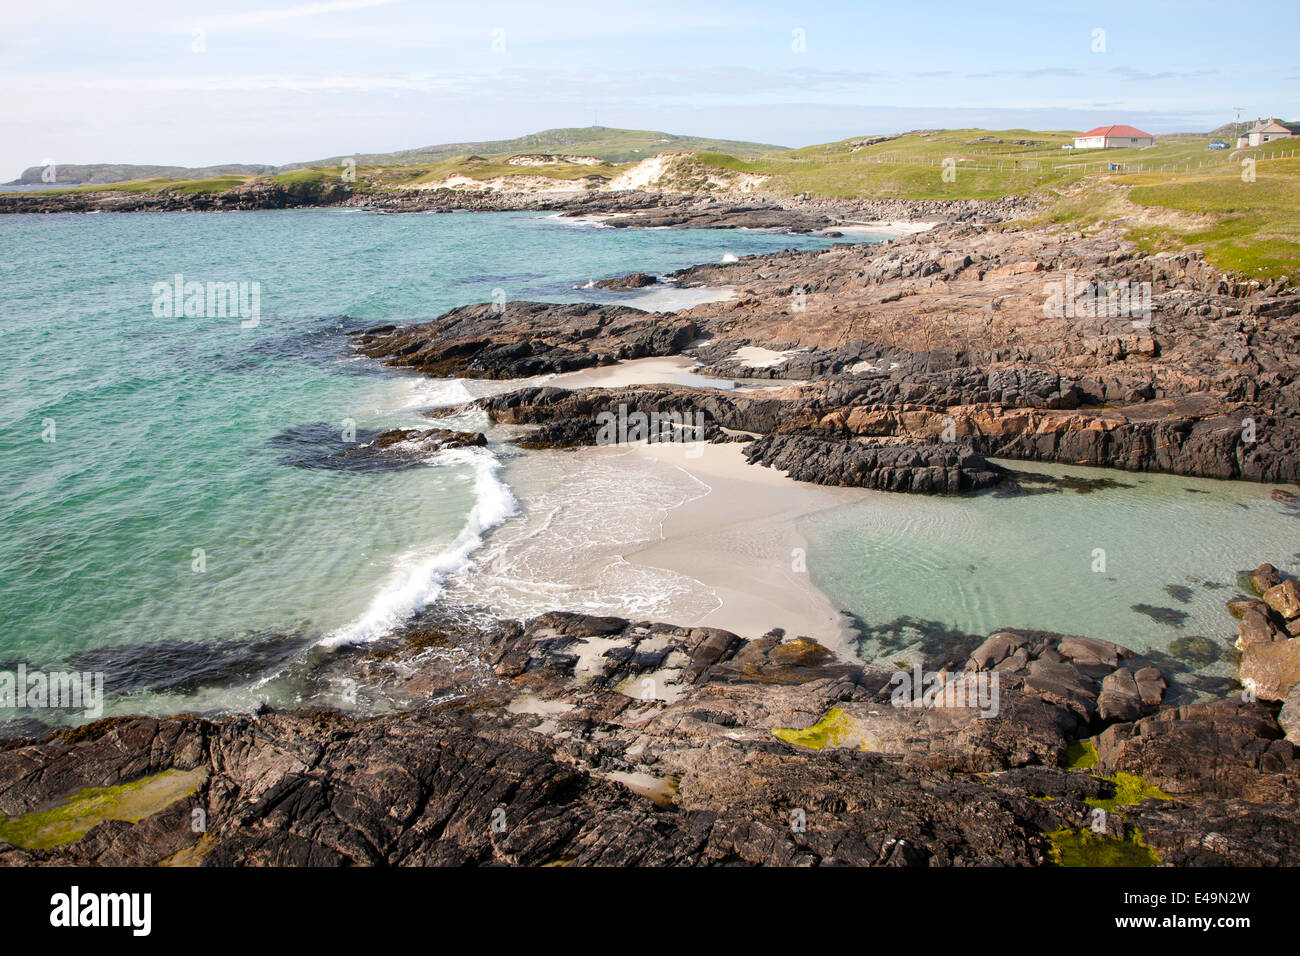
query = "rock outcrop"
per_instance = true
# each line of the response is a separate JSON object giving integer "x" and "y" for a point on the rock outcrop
{"x": 996, "y": 340}
{"x": 599, "y": 740}
{"x": 939, "y": 468}
{"x": 519, "y": 339}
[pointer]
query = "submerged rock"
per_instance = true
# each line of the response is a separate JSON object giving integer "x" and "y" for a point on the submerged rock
{"x": 627, "y": 283}
{"x": 323, "y": 446}
{"x": 1197, "y": 650}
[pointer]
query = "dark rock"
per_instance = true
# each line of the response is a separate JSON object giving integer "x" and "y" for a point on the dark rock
{"x": 519, "y": 339}
{"x": 921, "y": 469}
{"x": 1120, "y": 698}
{"x": 635, "y": 280}
{"x": 1197, "y": 650}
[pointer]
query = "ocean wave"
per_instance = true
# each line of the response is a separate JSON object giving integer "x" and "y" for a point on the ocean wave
{"x": 418, "y": 578}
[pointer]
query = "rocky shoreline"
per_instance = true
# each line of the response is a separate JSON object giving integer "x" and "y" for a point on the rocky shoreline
{"x": 613, "y": 742}
{"x": 901, "y": 366}
{"x": 947, "y": 336}
{"x": 619, "y": 209}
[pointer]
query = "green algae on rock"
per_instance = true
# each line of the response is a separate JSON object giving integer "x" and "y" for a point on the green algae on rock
{"x": 1081, "y": 755}
{"x": 71, "y": 819}
{"x": 1130, "y": 790}
{"x": 835, "y": 729}
{"x": 1082, "y": 847}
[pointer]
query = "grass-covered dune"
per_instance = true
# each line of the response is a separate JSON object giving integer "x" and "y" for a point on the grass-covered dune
{"x": 603, "y": 142}
{"x": 1241, "y": 207}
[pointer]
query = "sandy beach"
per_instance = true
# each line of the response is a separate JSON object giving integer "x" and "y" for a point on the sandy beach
{"x": 884, "y": 227}
{"x": 732, "y": 534}
{"x": 668, "y": 370}
{"x": 740, "y": 540}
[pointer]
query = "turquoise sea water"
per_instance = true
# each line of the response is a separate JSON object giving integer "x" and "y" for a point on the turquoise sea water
{"x": 164, "y": 512}
{"x": 1144, "y": 560}
{"x": 161, "y": 510}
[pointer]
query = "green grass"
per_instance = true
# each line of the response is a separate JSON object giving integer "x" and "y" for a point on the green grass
{"x": 312, "y": 175}
{"x": 985, "y": 165}
{"x": 1253, "y": 227}
{"x": 218, "y": 184}
{"x": 1193, "y": 201}
{"x": 483, "y": 169}
{"x": 189, "y": 187}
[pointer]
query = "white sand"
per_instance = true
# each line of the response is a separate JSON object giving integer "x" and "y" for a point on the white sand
{"x": 672, "y": 370}
{"x": 667, "y": 297}
{"x": 687, "y": 534}
{"x": 753, "y": 356}
{"x": 874, "y": 227}
{"x": 740, "y": 540}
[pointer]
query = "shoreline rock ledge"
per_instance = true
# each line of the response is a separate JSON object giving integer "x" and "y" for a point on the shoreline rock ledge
{"x": 603, "y": 741}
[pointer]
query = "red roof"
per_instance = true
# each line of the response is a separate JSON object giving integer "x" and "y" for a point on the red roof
{"x": 1114, "y": 131}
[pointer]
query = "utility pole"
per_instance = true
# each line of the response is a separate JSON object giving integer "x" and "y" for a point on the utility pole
{"x": 1237, "y": 126}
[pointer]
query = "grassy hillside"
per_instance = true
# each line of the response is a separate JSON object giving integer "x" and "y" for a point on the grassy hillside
{"x": 1251, "y": 227}
{"x": 481, "y": 168}
{"x": 602, "y": 142}
{"x": 611, "y": 145}
{"x": 1175, "y": 194}
{"x": 102, "y": 173}
{"x": 215, "y": 184}
{"x": 982, "y": 164}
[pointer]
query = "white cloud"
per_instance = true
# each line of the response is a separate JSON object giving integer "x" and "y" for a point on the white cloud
{"x": 257, "y": 17}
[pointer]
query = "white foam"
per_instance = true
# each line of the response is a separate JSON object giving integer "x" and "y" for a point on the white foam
{"x": 418, "y": 578}
{"x": 437, "y": 393}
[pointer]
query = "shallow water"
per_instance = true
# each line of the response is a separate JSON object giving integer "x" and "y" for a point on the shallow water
{"x": 168, "y": 507}
{"x": 184, "y": 504}
{"x": 1171, "y": 548}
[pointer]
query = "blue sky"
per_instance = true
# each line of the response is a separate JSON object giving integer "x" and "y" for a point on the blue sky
{"x": 276, "y": 81}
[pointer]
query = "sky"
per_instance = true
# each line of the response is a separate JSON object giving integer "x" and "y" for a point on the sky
{"x": 274, "y": 81}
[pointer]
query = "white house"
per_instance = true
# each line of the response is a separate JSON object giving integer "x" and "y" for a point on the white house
{"x": 1265, "y": 131}
{"x": 1113, "y": 137}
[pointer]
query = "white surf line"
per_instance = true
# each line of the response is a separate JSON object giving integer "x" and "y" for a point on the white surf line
{"x": 418, "y": 580}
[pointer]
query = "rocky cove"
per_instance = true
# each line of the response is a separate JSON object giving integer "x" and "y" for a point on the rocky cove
{"x": 904, "y": 367}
